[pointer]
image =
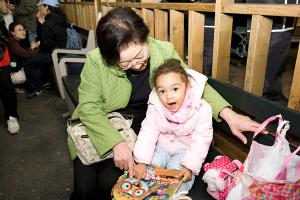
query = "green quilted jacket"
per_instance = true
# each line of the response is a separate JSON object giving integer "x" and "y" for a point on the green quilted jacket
{"x": 105, "y": 88}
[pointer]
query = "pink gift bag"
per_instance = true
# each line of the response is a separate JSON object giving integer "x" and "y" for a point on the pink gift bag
{"x": 270, "y": 172}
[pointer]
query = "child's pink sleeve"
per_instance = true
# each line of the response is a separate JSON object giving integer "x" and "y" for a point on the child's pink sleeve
{"x": 147, "y": 138}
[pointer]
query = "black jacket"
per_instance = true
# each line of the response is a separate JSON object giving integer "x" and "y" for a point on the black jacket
{"x": 54, "y": 34}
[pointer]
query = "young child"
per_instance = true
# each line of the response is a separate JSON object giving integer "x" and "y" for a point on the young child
{"x": 177, "y": 130}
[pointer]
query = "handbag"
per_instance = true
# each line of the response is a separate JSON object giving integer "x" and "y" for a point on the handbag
{"x": 18, "y": 77}
{"x": 86, "y": 152}
{"x": 270, "y": 172}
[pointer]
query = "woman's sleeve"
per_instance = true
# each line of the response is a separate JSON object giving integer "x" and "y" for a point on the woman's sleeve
{"x": 47, "y": 42}
{"x": 18, "y": 50}
{"x": 91, "y": 111}
{"x": 216, "y": 101}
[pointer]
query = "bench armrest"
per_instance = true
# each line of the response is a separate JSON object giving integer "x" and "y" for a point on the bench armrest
{"x": 62, "y": 71}
{"x": 91, "y": 44}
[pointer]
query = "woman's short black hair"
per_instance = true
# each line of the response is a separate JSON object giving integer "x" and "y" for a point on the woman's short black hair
{"x": 117, "y": 28}
{"x": 12, "y": 26}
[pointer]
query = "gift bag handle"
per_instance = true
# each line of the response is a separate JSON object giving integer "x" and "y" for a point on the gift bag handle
{"x": 282, "y": 128}
{"x": 283, "y": 171}
{"x": 266, "y": 122}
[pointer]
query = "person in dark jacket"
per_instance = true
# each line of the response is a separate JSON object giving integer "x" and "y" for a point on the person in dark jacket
{"x": 24, "y": 56}
{"x": 7, "y": 91}
{"x": 54, "y": 26}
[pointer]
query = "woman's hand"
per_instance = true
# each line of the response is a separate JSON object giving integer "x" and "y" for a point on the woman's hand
{"x": 139, "y": 171}
{"x": 185, "y": 173}
{"x": 10, "y": 6}
{"x": 35, "y": 45}
{"x": 123, "y": 158}
{"x": 40, "y": 16}
{"x": 239, "y": 123}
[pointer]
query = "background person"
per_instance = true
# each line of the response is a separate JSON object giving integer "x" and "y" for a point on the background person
{"x": 7, "y": 91}
{"x": 54, "y": 26}
{"x": 25, "y": 57}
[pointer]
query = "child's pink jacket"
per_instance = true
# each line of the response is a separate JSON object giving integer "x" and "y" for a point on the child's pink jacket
{"x": 194, "y": 135}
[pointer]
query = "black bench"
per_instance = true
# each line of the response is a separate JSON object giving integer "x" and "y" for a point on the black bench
{"x": 242, "y": 101}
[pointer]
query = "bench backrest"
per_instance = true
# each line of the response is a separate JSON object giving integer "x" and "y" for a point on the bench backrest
{"x": 257, "y": 108}
{"x": 83, "y": 33}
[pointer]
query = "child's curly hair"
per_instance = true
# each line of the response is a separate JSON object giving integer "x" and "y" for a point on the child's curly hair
{"x": 170, "y": 65}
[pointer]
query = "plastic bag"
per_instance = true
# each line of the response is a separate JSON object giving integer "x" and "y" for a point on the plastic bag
{"x": 18, "y": 77}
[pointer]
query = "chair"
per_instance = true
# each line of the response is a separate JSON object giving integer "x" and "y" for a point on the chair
{"x": 90, "y": 45}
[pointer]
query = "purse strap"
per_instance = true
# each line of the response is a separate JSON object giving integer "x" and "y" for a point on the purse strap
{"x": 266, "y": 122}
{"x": 283, "y": 171}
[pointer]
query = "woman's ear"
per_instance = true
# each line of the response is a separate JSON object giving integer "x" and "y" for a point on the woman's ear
{"x": 12, "y": 33}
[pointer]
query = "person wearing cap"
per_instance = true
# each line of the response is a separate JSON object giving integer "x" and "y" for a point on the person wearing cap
{"x": 54, "y": 26}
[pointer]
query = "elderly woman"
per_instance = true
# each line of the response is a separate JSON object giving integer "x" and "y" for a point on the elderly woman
{"x": 116, "y": 78}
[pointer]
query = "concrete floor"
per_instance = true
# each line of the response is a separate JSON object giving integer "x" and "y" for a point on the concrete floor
{"x": 35, "y": 164}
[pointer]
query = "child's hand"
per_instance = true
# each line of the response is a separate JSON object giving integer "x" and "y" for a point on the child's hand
{"x": 185, "y": 173}
{"x": 139, "y": 171}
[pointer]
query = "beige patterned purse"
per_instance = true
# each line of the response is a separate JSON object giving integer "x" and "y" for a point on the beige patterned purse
{"x": 85, "y": 149}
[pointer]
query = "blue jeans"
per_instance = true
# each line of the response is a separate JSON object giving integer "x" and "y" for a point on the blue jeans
{"x": 35, "y": 67}
{"x": 163, "y": 159}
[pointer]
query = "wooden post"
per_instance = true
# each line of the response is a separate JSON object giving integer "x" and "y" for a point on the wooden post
{"x": 294, "y": 99}
{"x": 222, "y": 42}
{"x": 98, "y": 12}
{"x": 148, "y": 16}
{"x": 161, "y": 25}
{"x": 258, "y": 52}
{"x": 177, "y": 31}
{"x": 196, "y": 41}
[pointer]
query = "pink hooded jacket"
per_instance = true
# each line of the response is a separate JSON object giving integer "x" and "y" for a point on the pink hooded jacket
{"x": 193, "y": 135}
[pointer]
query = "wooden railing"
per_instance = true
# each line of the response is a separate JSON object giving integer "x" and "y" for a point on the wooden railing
{"x": 83, "y": 14}
{"x": 166, "y": 22}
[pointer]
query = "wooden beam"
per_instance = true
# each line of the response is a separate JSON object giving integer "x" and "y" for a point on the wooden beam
{"x": 196, "y": 41}
{"x": 97, "y": 13}
{"x": 161, "y": 25}
{"x": 258, "y": 52}
{"x": 104, "y": 9}
{"x": 284, "y": 10}
{"x": 203, "y": 7}
{"x": 177, "y": 31}
{"x": 222, "y": 42}
{"x": 294, "y": 99}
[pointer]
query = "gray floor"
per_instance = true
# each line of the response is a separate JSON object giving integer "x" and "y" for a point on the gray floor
{"x": 35, "y": 164}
